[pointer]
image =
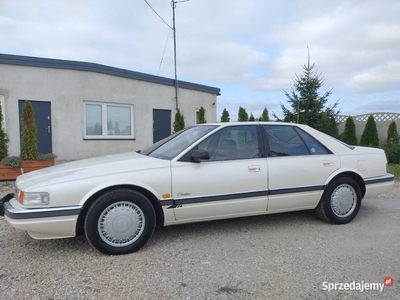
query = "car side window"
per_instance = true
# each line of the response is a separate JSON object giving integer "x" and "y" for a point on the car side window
{"x": 312, "y": 144}
{"x": 284, "y": 141}
{"x": 230, "y": 143}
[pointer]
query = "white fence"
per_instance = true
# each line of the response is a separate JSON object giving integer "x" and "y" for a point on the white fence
{"x": 382, "y": 119}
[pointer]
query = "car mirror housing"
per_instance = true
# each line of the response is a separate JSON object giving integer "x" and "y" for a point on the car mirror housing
{"x": 200, "y": 155}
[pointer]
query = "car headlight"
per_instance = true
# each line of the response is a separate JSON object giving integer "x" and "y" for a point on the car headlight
{"x": 33, "y": 198}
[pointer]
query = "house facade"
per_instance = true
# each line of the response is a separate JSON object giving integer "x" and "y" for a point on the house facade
{"x": 85, "y": 109}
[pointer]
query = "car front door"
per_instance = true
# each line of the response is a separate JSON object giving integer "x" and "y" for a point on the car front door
{"x": 298, "y": 167}
{"x": 231, "y": 183}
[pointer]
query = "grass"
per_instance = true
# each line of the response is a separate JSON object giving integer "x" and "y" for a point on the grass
{"x": 228, "y": 289}
{"x": 395, "y": 170}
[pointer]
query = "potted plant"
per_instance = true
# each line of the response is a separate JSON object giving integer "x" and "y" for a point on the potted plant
{"x": 30, "y": 159}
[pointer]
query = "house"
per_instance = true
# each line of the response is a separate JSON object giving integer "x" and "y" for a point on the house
{"x": 85, "y": 109}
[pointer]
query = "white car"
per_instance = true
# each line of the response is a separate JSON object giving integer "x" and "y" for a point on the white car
{"x": 205, "y": 172}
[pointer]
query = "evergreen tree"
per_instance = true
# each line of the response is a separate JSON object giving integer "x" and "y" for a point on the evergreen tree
{"x": 370, "y": 138}
{"x": 3, "y": 138}
{"x": 392, "y": 134}
{"x": 252, "y": 119}
{"x": 392, "y": 144}
{"x": 29, "y": 142}
{"x": 179, "y": 121}
{"x": 265, "y": 116}
{"x": 202, "y": 116}
{"x": 349, "y": 134}
{"x": 307, "y": 105}
{"x": 242, "y": 115}
{"x": 225, "y": 116}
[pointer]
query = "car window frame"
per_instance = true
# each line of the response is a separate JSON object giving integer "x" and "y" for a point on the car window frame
{"x": 185, "y": 157}
{"x": 295, "y": 128}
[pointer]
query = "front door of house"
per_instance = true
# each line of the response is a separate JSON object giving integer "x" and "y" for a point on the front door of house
{"x": 42, "y": 111}
{"x": 161, "y": 124}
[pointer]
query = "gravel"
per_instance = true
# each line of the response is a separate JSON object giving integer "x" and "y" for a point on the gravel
{"x": 283, "y": 256}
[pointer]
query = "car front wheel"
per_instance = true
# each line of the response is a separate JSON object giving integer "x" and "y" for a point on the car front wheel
{"x": 340, "y": 202}
{"x": 119, "y": 222}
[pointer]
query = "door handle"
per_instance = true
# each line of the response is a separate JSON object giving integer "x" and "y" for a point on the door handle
{"x": 327, "y": 163}
{"x": 253, "y": 169}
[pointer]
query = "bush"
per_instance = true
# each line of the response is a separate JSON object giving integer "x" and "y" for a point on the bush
{"x": 392, "y": 144}
{"x": 370, "y": 138}
{"x": 202, "y": 116}
{"x": 179, "y": 122}
{"x": 349, "y": 134}
{"x": 3, "y": 138}
{"x": 12, "y": 161}
{"x": 225, "y": 116}
{"x": 29, "y": 143}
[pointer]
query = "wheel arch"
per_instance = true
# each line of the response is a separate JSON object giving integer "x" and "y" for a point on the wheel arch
{"x": 353, "y": 175}
{"x": 149, "y": 195}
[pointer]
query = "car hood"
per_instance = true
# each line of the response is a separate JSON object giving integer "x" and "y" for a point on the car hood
{"x": 91, "y": 167}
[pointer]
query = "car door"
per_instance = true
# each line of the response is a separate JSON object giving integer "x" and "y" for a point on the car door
{"x": 232, "y": 182}
{"x": 298, "y": 167}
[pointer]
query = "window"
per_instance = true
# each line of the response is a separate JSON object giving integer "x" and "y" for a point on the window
{"x": 108, "y": 121}
{"x": 288, "y": 141}
{"x": 171, "y": 146}
{"x": 235, "y": 142}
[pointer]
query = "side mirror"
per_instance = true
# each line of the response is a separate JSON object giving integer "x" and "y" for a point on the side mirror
{"x": 199, "y": 155}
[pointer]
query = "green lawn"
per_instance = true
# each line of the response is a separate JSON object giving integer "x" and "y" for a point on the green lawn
{"x": 395, "y": 169}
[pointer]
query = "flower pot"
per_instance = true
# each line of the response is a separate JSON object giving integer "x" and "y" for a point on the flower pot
{"x": 25, "y": 166}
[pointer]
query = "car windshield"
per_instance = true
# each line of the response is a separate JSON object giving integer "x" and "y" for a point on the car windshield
{"x": 171, "y": 146}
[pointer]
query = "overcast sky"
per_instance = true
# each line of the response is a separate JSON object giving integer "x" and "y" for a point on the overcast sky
{"x": 250, "y": 49}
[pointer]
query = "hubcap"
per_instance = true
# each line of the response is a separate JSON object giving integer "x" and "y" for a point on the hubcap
{"x": 121, "y": 224}
{"x": 343, "y": 200}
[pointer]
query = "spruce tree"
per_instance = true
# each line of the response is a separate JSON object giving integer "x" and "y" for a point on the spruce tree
{"x": 179, "y": 121}
{"x": 3, "y": 138}
{"x": 242, "y": 115}
{"x": 225, "y": 116}
{"x": 251, "y": 119}
{"x": 307, "y": 106}
{"x": 29, "y": 142}
{"x": 370, "y": 138}
{"x": 349, "y": 134}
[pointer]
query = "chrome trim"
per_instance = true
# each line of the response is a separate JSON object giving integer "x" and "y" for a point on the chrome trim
{"x": 379, "y": 179}
{"x": 33, "y": 213}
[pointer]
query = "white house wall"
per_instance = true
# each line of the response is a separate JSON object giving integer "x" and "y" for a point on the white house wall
{"x": 68, "y": 89}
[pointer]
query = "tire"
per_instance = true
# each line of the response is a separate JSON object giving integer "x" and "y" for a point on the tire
{"x": 120, "y": 221}
{"x": 340, "y": 202}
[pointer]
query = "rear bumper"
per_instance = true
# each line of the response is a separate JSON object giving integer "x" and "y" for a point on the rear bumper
{"x": 40, "y": 223}
{"x": 378, "y": 185}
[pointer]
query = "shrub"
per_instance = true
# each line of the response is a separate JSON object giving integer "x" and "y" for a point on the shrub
{"x": 46, "y": 156}
{"x": 202, "y": 116}
{"x": 12, "y": 161}
{"x": 225, "y": 116}
{"x": 29, "y": 143}
{"x": 349, "y": 134}
{"x": 370, "y": 138}
{"x": 392, "y": 144}
{"x": 3, "y": 138}
{"x": 179, "y": 122}
{"x": 242, "y": 115}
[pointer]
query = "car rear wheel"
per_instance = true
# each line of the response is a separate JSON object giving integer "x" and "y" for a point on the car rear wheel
{"x": 119, "y": 222}
{"x": 340, "y": 202}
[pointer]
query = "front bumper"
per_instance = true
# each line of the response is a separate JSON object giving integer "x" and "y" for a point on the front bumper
{"x": 41, "y": 223}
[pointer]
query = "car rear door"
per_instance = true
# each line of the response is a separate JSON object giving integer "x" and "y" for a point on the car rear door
{"x": 298, "y": 167}
{"x": 233, "y": 182}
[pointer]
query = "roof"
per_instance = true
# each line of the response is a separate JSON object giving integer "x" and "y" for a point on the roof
{"x": 29, "y": 61}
